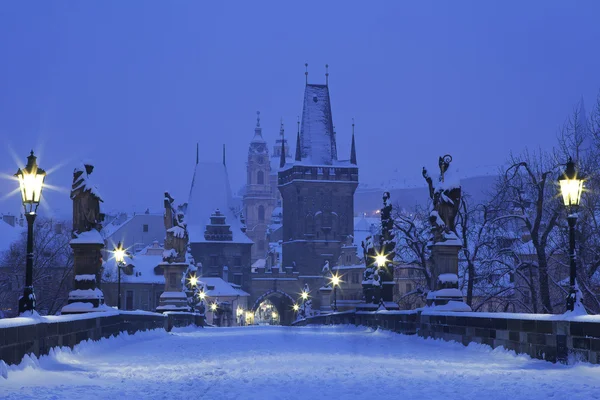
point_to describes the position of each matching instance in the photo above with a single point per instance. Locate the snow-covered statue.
(176, 242)
(445, 196)
(86, 201)
(371, 280)
(326, 270)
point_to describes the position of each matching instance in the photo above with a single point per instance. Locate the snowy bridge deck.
(292, 363)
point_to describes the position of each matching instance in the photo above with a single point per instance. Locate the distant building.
(259, 198)
(217, 239)
(134, 232)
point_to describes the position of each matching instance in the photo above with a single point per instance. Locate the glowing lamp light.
(296, 307)
(119, 253)
(571, 186)
(335, 280)
(381, 260)
(213, 307)
(239, 311)
(304, 295)
(274, 315)
(202, 295)
(31, 182)
(193, 280)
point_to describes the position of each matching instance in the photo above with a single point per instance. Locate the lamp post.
(571, 187)
(304, 296)
(31, 182)
(119, 254)
(335, 282)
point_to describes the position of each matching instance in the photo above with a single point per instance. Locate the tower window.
(261, 213)
(145, 228)
(260, 178)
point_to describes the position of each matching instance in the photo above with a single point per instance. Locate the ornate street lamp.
(119, 254)
(31, 182)
(335, 282)
(571, 187)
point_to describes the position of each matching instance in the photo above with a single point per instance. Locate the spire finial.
(306, 72)
(327, 74)
(281, 127)
(224, 155)
(197, 156)
(353, 147)
(258, 119)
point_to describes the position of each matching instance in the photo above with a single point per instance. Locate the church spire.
(298, 149)
(282, 155)
(326, 74)
(353, 147)
(224, 155)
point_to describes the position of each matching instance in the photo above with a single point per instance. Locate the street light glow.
(571, 186)
(202, 295)
(31, 182)
(381, 260)
(335, 280)
(119, 254)
(296, 307)
(193, 280)
(213, 307)
(304, 295)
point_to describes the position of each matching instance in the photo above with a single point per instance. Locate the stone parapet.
(36, 337)
(547, 337)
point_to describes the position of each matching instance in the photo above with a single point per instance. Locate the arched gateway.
(281, 300)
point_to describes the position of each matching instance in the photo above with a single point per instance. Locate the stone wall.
(18, 338)
(547, 337)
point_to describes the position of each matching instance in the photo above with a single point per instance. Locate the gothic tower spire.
(298, 149)
(353, 147)
(224, 155)
(282, 157)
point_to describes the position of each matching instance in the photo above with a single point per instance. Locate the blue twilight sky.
(133, 85)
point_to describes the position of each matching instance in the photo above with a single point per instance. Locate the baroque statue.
(445, 196)
(86, 201)
(176, 242)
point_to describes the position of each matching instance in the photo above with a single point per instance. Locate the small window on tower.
(261, 213)
(260, 178)
(145, 228)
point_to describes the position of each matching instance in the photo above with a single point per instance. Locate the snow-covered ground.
(292, 363)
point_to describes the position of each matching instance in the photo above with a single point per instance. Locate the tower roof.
(258, 131)
(317, 138)
(211, 191)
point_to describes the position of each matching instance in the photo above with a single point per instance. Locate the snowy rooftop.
(210, 191)
(217, 287)
(143, 264)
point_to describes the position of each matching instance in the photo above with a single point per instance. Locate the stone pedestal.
(326, 294)
(173, 298)
(87, 259)
(444, 259)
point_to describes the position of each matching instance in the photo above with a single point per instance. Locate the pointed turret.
(282, 157)
(224, 155)
(353, 147)
(258, 138)
(298, 150)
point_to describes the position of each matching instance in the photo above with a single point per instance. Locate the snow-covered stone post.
(87, 243)
(387, 247)
(174, 264)
(444, 243)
